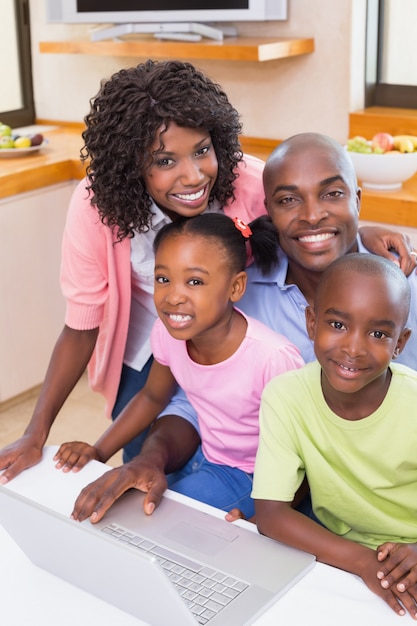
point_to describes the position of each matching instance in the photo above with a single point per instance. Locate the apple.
(382, 142)
(6, 142)
(5, 131)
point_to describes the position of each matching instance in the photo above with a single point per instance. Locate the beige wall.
(275, 98)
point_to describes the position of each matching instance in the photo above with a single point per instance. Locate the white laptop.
(180, 566)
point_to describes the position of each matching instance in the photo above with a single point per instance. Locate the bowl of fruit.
(13, 144)
(385, 161)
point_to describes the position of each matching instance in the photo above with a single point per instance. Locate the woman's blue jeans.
(131, 381)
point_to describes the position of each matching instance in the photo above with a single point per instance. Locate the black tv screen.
(159, 5)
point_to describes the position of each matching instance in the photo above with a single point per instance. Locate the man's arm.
(69, 359)
(170, 444)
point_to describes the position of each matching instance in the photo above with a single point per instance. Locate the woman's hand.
(18, 456)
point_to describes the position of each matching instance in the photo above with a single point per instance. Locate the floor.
(81, 418)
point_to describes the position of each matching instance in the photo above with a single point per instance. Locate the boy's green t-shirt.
(362, 474)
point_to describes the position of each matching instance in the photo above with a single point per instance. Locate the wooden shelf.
(230, 49)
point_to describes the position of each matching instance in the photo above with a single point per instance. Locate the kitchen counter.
(57, 162)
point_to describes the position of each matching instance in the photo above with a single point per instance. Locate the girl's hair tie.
(243, 227)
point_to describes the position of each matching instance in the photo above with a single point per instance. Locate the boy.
(346, 423)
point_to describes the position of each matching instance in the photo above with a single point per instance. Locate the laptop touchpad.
(207, 538)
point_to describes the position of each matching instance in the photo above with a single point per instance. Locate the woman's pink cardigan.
(96, 280)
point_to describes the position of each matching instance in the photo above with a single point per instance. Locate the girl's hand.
(390, 244)
(236, 514)
(74, 455)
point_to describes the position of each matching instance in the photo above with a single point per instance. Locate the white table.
(30, 596)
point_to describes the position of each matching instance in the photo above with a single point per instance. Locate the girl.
(221, 358)
(161, 141)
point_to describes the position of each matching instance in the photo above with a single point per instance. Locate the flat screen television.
(190, 19)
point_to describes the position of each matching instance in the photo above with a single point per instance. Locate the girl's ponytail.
(264, 243)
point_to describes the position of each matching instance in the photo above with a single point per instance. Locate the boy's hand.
(74, 455)
(97, 497)
(400, 602)
(398, 567)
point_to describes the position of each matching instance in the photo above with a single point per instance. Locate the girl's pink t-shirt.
(226, 396)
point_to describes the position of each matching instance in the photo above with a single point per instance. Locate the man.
(312, 197)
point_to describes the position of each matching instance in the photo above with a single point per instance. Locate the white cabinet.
(31, 304)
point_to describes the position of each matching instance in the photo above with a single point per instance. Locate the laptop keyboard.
(205, 591)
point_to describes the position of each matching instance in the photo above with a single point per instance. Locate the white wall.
(312, 92)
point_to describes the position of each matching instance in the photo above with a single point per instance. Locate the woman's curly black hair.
(121, 127)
